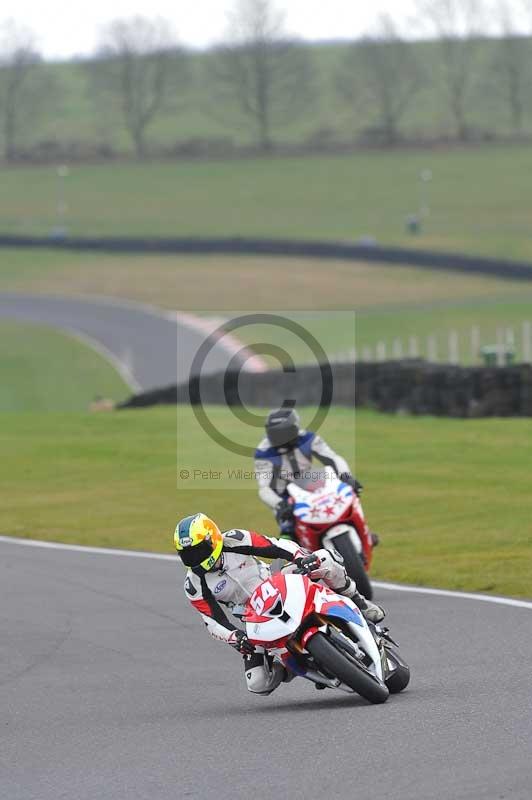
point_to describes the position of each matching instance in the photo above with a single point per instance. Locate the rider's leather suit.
(275, 467)
(237, 575)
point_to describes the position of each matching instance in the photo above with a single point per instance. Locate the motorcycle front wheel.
(353, 564)
(336, 663)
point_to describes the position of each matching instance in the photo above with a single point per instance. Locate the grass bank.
(478, 198)
(44, 370)
(228, 283)
(450, 498)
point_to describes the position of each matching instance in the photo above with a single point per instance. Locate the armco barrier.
(412, 386)
(282, 247)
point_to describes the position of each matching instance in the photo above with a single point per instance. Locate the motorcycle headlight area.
(277, 611)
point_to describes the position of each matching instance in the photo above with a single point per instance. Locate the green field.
(450, 498)
(44, 370)
(214, 284)
(450, 512)
(479, 198)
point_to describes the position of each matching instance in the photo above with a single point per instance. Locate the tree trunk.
(139, 140)
(10, 124)
(265, 142)
(516, 108)
(458, 111)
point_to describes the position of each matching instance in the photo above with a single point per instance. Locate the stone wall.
(413, 387)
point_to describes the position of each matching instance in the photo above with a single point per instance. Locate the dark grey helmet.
(282, 427)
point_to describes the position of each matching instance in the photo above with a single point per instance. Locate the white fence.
(509, 345)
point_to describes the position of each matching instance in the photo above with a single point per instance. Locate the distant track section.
(153, 347)
(427, 259)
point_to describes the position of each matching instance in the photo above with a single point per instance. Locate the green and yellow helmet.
(199, 541)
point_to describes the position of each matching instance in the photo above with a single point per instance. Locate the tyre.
(337, 663)
(353, 564)
(400, 677)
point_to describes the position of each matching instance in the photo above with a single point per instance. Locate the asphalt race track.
(110, 689)
(152, 345)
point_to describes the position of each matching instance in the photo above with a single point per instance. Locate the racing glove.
(346, 477)
(306, 565)
(240, 642)
(284, 512)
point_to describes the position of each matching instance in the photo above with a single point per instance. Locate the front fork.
(383, 640)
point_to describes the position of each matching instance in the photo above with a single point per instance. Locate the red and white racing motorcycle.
(323, 637)
(329, 514)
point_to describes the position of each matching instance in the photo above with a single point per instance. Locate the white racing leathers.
(275, 467)
(234, 579)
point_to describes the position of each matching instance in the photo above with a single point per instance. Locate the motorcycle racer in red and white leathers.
(224, 569)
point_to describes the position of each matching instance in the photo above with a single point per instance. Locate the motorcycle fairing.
(318, 507)
(266, 629)
(328, 511)
(302, 599)
(343, 611)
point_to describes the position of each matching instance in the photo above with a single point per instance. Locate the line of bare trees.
(26, 89)
(261, 78)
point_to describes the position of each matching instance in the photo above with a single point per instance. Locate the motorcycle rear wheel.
(353, 564)
(336, 663)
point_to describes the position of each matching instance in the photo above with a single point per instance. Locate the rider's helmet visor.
(196, 555)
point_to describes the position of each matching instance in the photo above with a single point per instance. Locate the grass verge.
(218, 283)
(450, 498)
(44, 370)
(478, 198)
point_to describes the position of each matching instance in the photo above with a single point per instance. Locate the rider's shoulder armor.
(304, 442)
(236, 537)
(265, 451)
(192, 585)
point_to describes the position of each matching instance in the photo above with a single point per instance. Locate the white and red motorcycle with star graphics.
(329, 514)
